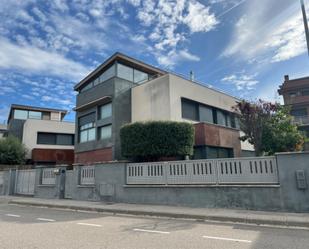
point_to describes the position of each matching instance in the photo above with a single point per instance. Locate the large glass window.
(125, 72)
(35, 115)
(299, 112)
(20, 114)
(221, 118)
(86, 128)
(139, 76)
(189, 109)
(55, 138)
(105, 111)
(206, 114)
(105, 132)
(109, 73)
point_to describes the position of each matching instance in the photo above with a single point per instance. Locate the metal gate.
(24, 182)
(68, 184)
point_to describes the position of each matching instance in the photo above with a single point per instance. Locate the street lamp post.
(305, 23)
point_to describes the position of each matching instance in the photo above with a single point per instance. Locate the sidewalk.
(222, 215)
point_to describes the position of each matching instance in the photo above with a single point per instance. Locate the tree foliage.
(148, 141)
(12, 151)
(268, 127)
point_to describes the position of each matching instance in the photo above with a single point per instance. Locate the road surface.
(34, 227)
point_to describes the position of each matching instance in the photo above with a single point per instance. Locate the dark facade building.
(295, 94)
(47, 138)
(124, 90)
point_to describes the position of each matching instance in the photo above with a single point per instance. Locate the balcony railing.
(301, 120)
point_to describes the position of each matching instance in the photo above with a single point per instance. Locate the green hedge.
(154, 139)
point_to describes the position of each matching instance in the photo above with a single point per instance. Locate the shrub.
(151, 140)
(12, 151)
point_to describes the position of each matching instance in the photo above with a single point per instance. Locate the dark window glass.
(86, 119)
(46, 138)
(305, 92)
(105, 132)
(218, 152)
(206, 114)
(65, 139)
(200, 152)
(221, 118)
(189, 109)
(299, 112)
(55, 138)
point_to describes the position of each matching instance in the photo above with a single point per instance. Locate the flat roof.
(119, 57)
(34, 108)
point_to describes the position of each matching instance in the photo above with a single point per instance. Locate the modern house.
(3, 130)
(124, 90)
(295, 94)
(48, 139)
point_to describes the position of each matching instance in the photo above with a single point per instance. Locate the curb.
(215, 218)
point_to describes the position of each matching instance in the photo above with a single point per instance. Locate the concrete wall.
(110, 185)
(33, 126)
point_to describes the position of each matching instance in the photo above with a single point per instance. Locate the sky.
(242, 47)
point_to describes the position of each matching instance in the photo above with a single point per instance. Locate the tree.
(12, 151)
(149, 141)
(268, 127)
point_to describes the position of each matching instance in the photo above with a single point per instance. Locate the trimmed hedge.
(151, 140)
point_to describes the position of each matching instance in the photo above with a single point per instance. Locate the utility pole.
(305, 22)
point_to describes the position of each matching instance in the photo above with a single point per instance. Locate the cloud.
(199, 18)
(269, 31)
(241, 81)
(35, 60)
(174, 57)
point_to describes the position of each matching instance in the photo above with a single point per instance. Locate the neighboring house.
(3, 130)
(124, 90)
(48, 139)
(296, 95)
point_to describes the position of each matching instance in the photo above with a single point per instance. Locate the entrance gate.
(24, 182)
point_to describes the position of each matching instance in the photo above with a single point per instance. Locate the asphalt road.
(32, 227)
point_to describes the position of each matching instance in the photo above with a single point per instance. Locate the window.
(234, 121)
(189, 110)
(109, 73)
(65, 139)
(35, 115)
(87, 87)
(125, 72)
(299, 112)
(305, 92)
(206, 114)
(105, 132)
(86, 128)
(55, 138)
(221, 118)
(20, 114)
(105, 111)
(218, 152)
(139, 76)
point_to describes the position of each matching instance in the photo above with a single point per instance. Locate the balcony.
(301, 120)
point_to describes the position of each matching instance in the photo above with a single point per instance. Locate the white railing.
(87, 175)
(48, 176)
(256, 170)
(1, 178)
